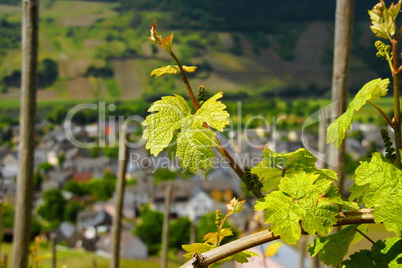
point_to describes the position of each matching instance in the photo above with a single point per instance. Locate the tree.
(45, 167)
(105, 72)
(41, 174)
(8, 211)
(71, 211)
(47, 73)
(37, 180)
(61, 158)
(53, 207)
(176, 239)
(75, 188)
(150, 230)
(112, 152)
(102, 189)
(164, 174)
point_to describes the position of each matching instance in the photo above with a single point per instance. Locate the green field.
(67, 258)
(79, 34)
(113, 92)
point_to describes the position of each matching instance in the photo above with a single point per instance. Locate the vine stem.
(207, 258)
(185, 80)
(236, 168)
(396, 122)
(365, 236)
(218, 237)
(381, 112)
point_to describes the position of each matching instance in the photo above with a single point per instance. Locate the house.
(4, 150)
(55, 143)
(130, 208)
(80, 177)
(135, 196)
(68, 233)
(9, 172)
(133, 200)
(10, 163)
(138, 195)
(194, 198)
(108, 207)
(9, 167)
(77, 153)
(200, 203)
(136, 249)
(131, 247)
(39, 157)
(10, 158)
(96, 166)
(8, 191)
(355, 148)
(58, 177)
(93, 219)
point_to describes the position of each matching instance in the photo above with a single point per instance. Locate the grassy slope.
(249, 71)
(76, 259)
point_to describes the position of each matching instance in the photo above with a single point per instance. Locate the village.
(194, 194)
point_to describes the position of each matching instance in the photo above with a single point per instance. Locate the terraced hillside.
(80, 35)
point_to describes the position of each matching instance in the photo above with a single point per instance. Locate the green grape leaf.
(334, 197)
(161, 125)
(166, 43)
(348, 206)
(273, 165)
(172, 69)
(333, 248)
(383, 19)
(382, 254)
(213, 113)
(242, 257)
(211, 237)
(372, 90)
(302, 197)
(378, 184)
(172, 115)
(194, 144)
(196, 248)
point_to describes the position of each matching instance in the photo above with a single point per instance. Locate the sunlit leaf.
(378, 184)
(273, 166)
(333, 248)
(172, 69)
(194, 140)
(235, 205)
(386, 253)
(373, 90)
(383, 19)
(300, 198)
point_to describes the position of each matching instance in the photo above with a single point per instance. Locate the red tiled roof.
(80, 177)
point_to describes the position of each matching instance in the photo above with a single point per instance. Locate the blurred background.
(270, 58)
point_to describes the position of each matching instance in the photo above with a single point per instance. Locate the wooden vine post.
(23, 214)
